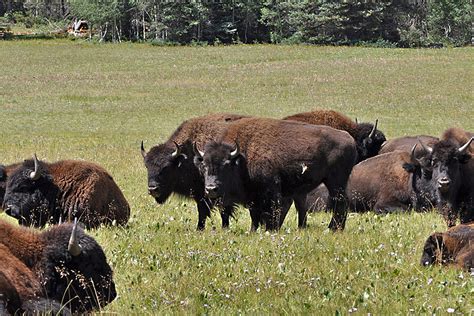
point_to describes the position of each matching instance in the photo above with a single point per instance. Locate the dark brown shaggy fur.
(455, 246)
(39, 265)
(275, 152)
(69, 189)
(4, 172)
(168, 174)
(460, 136)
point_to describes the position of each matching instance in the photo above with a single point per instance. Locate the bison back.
(406, 144)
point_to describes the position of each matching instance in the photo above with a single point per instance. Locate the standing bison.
(61, 264)
(263, 162)
(171, 169)
(455, 246)
(38, 193)
(465, 196)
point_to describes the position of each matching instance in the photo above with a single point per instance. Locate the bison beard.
(81, 280)
(278, 160)
(38, 193)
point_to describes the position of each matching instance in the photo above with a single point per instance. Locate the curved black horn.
(374, 129)
(357, 122)
(142, 149)
(413, 157)
(34, 175)
(464, 147)
(426, 148)
(234, 153)
(196, 150)
(177, 150)
(73, 247)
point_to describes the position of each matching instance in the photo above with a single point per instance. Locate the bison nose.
(211, 191)
(443, 181)
(153, 189)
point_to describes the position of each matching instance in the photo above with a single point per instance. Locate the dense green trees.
(403, 23)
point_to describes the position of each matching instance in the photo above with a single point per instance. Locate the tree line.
(409, 23)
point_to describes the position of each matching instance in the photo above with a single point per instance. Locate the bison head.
(74, 269)
(221, 166)
(165, 165)
(433, 250)
(369, 140)
(30, 194)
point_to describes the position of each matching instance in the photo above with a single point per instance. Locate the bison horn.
(73, 247)
(143, 150)
(235, 152)
(34, 175)
(60, 220)
(196, 150)
(463, 148)
(413, 157)
(374, 129)
(356, 121)
(177, 150)
(425, 148)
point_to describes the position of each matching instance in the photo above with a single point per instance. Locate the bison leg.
(337, 202)
(255, 216)
(285, 207)
(204, 210)
(301, 208)
(226, 213)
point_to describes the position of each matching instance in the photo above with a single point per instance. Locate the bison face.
(28, 198)
(369, 140)
(81, 281)
(165, 166)
(220, 164)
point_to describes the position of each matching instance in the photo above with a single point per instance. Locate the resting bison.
(171, 169)
(38, 193)
(368, 139)
(406, 143)
(465, 197)
(455, 246)
(389, 182)
(275, 160)
(62, 264)
(4, 172)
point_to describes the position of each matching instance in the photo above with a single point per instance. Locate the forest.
(385, 23)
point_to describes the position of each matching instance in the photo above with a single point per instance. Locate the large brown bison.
(465, 197)
(366, 135)
(61, 264)
(389, 182)
(455, 246)
(171, 169)
(275, 160)
(38, 193)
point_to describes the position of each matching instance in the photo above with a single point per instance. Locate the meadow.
(71, 100)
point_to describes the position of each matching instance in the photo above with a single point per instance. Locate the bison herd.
(320, 160)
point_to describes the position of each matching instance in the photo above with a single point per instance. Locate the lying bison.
(460, 136)
(38, 193)
(263, 162)
(171, 169)
(61, 264)
(455, 246)
(389, 182)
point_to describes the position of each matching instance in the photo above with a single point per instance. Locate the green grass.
(64, 99)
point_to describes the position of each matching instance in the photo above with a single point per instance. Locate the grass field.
(64, 99)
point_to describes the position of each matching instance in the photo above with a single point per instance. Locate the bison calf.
(264, 162)
(38, 193)
(61, 264)
(455, 246)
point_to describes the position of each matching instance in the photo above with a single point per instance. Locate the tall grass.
(64, 100)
